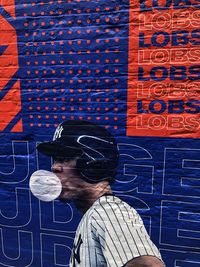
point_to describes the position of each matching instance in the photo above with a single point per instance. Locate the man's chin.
(66, 197)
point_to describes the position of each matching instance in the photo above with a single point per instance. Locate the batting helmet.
(93, 146)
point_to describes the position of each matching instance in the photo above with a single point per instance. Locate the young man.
(111, 233)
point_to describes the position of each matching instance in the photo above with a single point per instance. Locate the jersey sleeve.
(121, 234)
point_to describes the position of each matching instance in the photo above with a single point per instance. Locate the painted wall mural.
(131, 66)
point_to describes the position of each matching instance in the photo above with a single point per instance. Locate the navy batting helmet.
(93, 146)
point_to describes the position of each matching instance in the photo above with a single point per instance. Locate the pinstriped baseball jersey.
(111, 233)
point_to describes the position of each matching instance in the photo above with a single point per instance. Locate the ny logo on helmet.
(58, 132)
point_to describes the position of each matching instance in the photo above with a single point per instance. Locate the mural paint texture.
(131, 66)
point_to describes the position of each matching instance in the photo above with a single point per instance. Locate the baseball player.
(111, 233)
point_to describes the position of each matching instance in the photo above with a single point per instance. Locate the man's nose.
(56, 168)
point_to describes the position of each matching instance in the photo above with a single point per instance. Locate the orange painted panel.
(18, 127)
(9, 58)
(10, 106)
(9, 6)
(164, 69)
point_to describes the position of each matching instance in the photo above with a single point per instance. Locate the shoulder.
(111, 208)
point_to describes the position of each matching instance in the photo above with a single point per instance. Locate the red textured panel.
(18, 127)
(9, 6)
(164, 70)
(9, 58)
(10, 106)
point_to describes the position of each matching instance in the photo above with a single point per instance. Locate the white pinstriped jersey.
(111, 233)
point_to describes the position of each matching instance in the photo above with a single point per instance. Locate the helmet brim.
(58, 149)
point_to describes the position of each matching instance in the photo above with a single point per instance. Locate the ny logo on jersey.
(76, 252)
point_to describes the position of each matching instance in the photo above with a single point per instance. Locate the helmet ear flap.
(94, 171)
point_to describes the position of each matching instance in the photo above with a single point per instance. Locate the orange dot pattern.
(74, 58)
